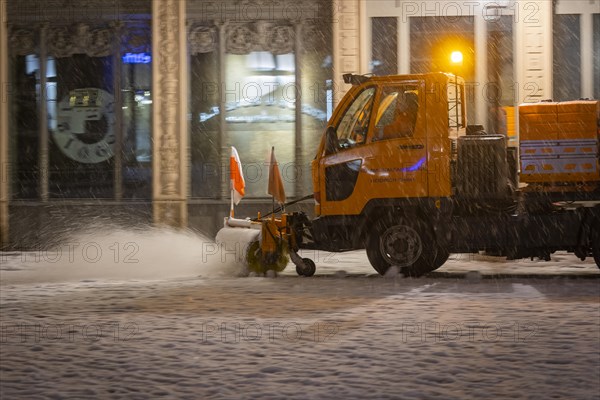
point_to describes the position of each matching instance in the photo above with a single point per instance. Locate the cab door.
(344, 153)
(398, 142)
(379, 152)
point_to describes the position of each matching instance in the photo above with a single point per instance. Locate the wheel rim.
(401, 245)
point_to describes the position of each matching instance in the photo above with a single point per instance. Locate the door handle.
(411, 147)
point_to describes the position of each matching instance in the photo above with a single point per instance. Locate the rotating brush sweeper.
(262, 244)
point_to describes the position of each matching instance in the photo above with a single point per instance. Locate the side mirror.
(331, 141)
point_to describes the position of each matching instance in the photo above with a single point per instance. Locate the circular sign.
(86, 125)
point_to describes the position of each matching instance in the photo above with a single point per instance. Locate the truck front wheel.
(408, 246)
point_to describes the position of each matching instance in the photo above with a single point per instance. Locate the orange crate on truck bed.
(559, 142)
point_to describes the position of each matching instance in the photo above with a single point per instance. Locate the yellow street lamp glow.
(456, 57)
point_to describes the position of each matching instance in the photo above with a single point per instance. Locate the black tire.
(440, 258)
(596, 245)
(309, 270)
(406, 244)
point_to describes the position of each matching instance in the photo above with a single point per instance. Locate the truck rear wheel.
(596, 245)
(441, 258)
(408, 246)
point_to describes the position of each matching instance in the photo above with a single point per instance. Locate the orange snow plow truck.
(400, 172)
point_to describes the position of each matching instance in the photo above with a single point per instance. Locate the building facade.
(123, 112)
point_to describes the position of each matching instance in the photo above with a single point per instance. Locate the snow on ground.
(178, 323)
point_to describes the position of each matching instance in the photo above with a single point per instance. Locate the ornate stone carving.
(202, 39)
(241, 39)
(22, 41)
(280, 39)
(168, 101)
(100, 42)
(80, 39)
(136, 38)
(274, 37)
(60, 42)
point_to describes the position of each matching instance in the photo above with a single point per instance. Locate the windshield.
(355, 123)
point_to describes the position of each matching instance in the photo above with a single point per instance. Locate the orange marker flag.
(237, 178)
(275, 182)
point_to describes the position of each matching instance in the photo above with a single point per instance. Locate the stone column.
(44, 136)
(533, 50)
(404, 44)
(223, 138)
(587, 55)
(481, 71)
(346, 53)
(169, 113)
(4, 162)
(118, 107)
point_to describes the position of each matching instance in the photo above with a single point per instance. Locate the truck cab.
(390, 138)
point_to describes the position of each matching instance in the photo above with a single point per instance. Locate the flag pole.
(231, 209)
(271, 168)
(236, 180)
(273, 200)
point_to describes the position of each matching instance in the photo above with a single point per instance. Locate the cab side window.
(397, 112)
(354, 125)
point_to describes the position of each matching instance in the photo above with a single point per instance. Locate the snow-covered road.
(343, 334)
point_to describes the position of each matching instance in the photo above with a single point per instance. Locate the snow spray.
(114, 253)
